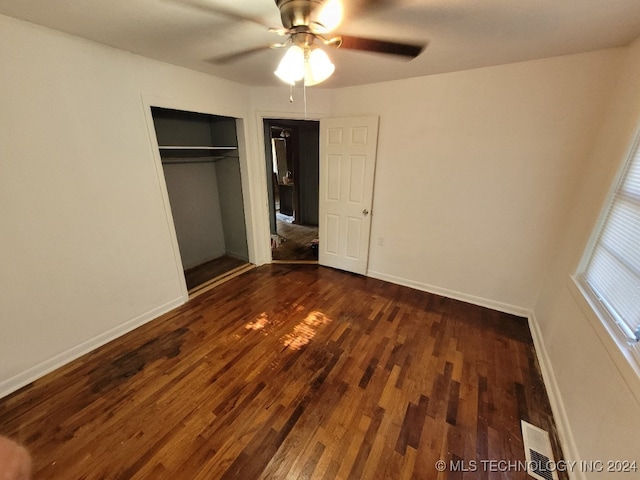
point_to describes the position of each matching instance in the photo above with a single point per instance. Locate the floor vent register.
(537, 450)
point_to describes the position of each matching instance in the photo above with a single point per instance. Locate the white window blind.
(613, 270)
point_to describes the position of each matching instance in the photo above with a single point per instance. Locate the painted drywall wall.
(86, 249)
(195, 207)
(475, 170)
(274, 102)
(598, 389)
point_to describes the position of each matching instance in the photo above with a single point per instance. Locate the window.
(611, 276)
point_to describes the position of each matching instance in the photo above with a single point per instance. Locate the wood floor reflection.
(291, 372)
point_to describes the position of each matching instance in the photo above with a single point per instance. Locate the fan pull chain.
(304, 93)
(304, 96)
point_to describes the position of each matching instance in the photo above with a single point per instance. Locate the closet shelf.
(184, 147)
(201, 159)
(195, 154)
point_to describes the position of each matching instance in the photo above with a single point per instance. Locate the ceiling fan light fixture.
(318, 67)
(309, 63)
(291, 68)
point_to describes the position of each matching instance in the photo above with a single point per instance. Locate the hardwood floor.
(296, 242)
(291, 372)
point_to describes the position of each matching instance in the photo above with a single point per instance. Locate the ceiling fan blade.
(355, 8)
(378, 3)
(236, 56)
(381, 46)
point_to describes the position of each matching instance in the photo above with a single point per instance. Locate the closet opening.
(199, 154)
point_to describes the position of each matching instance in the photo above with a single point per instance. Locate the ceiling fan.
(308, 25)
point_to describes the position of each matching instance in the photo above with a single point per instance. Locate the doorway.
(292, 156)
(200, 162)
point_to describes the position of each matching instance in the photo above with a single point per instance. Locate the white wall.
(85, 247)
(599, 391)
(475, 171)
(273, 102)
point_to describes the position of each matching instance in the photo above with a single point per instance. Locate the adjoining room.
(291, 152)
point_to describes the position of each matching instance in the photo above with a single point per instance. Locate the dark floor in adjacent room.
(296, 241)
(291, 372)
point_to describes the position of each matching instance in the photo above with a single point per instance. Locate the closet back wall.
(193, 193)
(231, 207)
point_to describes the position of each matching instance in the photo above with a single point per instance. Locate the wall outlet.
(381, 241)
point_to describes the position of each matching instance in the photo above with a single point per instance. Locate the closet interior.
(201, 167)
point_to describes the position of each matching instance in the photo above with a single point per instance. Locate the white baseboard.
(37, 371)
(569, 448)
(463, 297)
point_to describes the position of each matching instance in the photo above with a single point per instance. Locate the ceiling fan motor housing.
(297, 13)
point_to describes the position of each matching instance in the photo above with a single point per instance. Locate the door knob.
(365, 212)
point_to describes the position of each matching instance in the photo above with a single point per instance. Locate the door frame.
(246, 175)
(261, 116)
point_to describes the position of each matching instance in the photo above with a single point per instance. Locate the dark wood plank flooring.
(293, 372)
(209, 270)
(296, 242)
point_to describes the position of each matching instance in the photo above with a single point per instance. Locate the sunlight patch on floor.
(304, 331)
(301, 334)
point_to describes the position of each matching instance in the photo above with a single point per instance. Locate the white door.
(347, 164)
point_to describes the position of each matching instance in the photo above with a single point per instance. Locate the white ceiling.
(461, 34)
